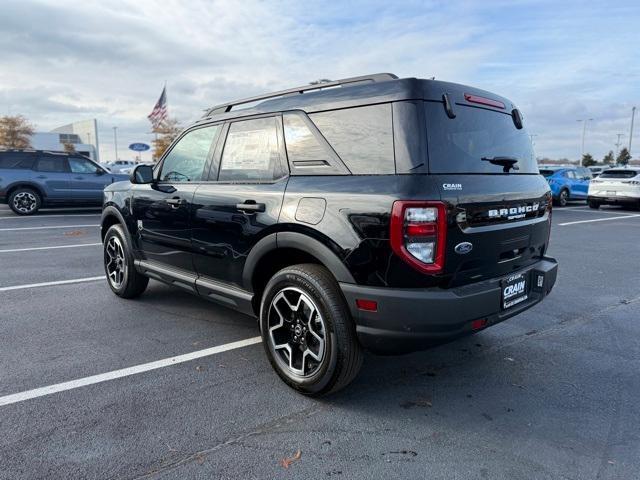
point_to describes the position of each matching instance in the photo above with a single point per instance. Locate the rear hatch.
(483, 162)
(623, 182)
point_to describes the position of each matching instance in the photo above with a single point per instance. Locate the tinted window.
(362, 137)
(618, 174)
(16, 160)
(547, 173)
(302, 145)
(82, 165)
(186, 160)
(457, 145)
(570, 174)
(52, 164)
(251, 151)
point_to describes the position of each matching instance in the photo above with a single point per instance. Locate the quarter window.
(361, 136)
(187, 159)
(251, 151)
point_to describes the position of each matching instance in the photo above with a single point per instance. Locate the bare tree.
(15, 132)
(166, 134)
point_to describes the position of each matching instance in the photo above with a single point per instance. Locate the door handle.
(250, 206)
(175, 202)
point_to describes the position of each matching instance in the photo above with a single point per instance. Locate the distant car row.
(613, 186)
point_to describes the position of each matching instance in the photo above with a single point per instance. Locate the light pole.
(115, 140)
(633, 114)
(617, 144)
(584, 131)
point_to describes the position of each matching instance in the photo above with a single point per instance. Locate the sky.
(559, 61)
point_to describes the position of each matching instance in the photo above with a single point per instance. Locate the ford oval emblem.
(463, 248)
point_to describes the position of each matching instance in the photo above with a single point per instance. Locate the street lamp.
(633, 114)
(115, 140)
(617, 144)
(584, 131)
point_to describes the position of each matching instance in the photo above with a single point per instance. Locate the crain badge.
(452, 186)
(463, 248)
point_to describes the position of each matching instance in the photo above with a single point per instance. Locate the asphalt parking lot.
(552, 393)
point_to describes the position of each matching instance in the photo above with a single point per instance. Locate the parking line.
(125, 372)
(12, 250)
(24, 217)
(598, 220)
(44, 228)
(48, 284)
(589, 210)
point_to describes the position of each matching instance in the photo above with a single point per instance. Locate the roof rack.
(376, 77)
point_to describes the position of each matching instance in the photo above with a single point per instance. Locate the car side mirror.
(100, 171)
(142, 174)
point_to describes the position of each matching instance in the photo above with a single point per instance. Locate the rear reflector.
(478, 324)
(483, 101)
(367, 305)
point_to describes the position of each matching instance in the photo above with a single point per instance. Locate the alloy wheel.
(116, 263)
(25, 202)
(297, 332)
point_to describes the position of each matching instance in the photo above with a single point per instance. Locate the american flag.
(159, 113)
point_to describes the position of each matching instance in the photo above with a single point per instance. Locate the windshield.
(619, 174)
(458, 145)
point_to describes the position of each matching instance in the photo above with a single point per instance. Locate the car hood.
(120, 183)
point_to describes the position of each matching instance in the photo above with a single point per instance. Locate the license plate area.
(515, 290)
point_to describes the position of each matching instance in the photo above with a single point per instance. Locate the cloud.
(66, 61)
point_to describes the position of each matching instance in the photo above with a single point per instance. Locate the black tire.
(593, 204)
(341, 356)
(563, 198)
(25, 201)
(127, 282)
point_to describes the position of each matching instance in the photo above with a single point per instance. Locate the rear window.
(619, 174)
(546, 172)
(52, 164)
(362, 137)
(458, 145)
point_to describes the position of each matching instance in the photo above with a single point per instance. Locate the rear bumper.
(617, 200)
(415, 319)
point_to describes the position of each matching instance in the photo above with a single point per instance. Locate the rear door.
(52, 173)
(241, 202)
(162, 209)
(498, 217)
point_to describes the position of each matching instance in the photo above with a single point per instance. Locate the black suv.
(372, 212)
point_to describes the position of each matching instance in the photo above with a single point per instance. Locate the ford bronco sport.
(368, 213)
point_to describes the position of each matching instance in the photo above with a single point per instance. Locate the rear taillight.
(418, 234)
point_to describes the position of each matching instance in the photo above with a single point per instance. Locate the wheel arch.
(111, 216)
(34, 186)
(282, 249)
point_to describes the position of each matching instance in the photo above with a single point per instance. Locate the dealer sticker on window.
(514, 290)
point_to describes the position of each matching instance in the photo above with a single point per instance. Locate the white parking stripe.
(590, 210)
(598, 220)
(12, 250)
(25, 217)
(44, 228)
(125, 372)
(48, 284)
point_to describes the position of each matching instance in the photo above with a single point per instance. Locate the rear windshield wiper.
(507, 163)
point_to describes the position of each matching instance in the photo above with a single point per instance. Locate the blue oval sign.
(139, 147)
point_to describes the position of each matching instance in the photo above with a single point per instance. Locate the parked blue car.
(567, 183)
(30, 179)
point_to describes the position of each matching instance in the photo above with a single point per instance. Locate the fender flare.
(28, 184)
(298, 241)
(111, 211)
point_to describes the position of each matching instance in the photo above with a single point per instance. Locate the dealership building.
(82, 135)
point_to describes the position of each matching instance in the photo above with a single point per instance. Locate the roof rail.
(376, 77)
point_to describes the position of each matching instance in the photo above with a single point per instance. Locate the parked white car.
(119, 165)
(618, 186)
